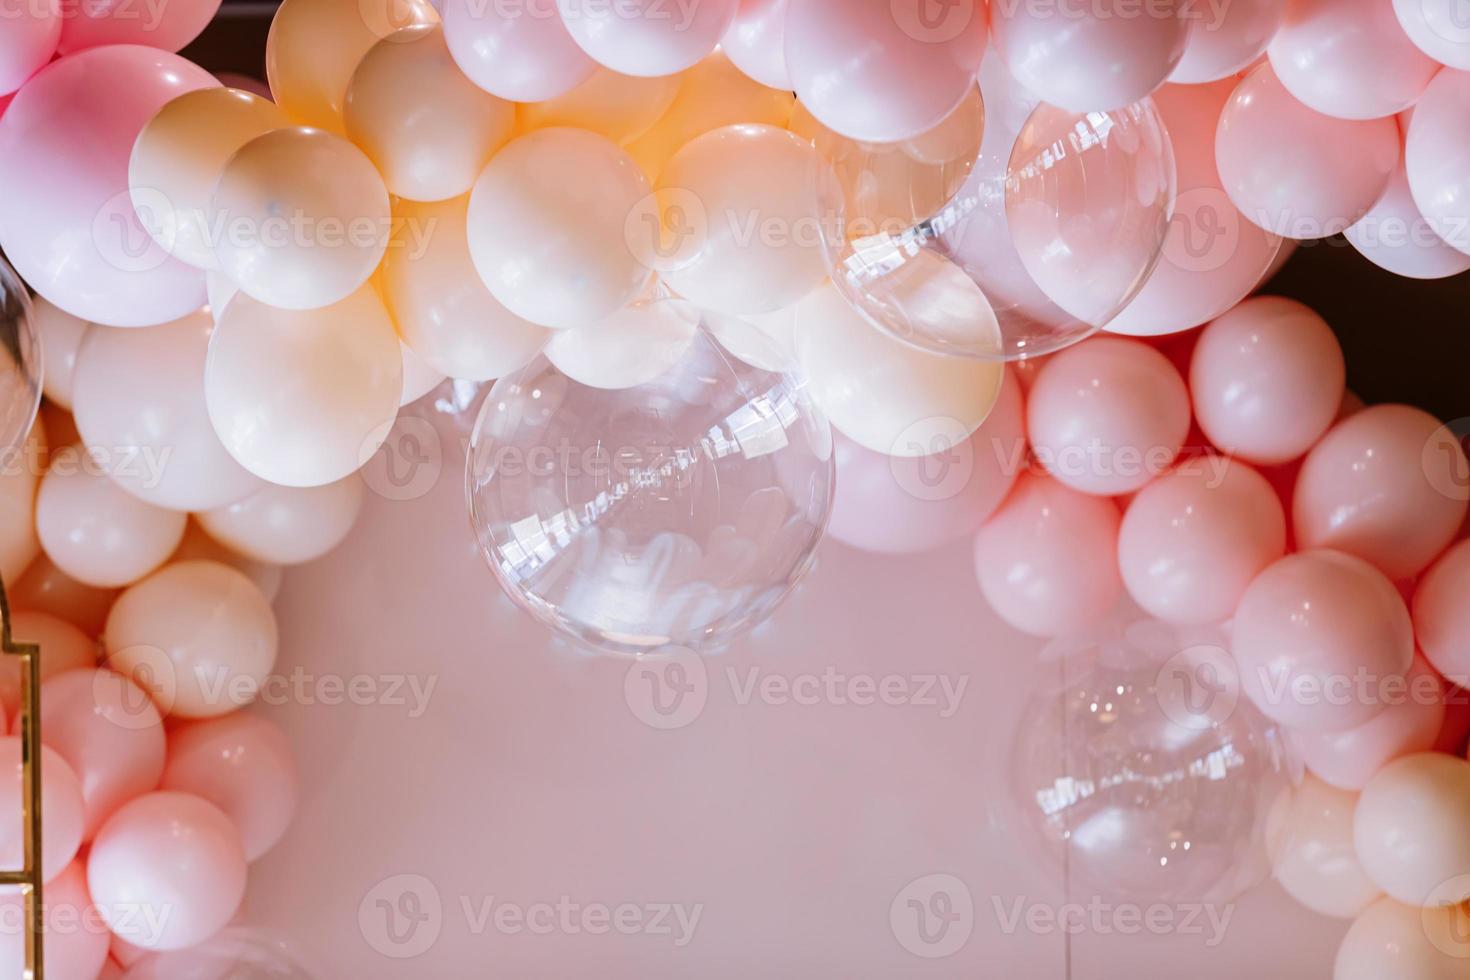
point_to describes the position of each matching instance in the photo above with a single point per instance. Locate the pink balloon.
(1442, 614)
(647, 38)
(76, 937)
(1409, 831)
(32, 30)
(523, 53)
(1437, 156)
(63, 647)
(1295, 171)
(756, 42)
(883, 71)
(1213, 257)
(1047, 560)
(72, 232)
(169, 26)
(1349, 58)
(1192, 541)
(1094, 57)
(1108, 415)
(1393, 235)
(1439, 28)
(892, 505)
(47, 589)
(109, 732)
(1267, 380)
(1385, 485)
(167, 853)
(243, 764)
(1226, 38)
(1316, 636)
(61, 805)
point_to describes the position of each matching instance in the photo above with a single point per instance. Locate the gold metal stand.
(29, 878)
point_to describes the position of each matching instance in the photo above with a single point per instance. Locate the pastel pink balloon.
(1393, 235)
(883, 72)
(1192, 541)
(1108, 415)
(1349, 58)
(1376, 487)
(1442, 614)
(1310, 837)
(110, 733)
(1315, 637)
(1047, 560)
(756, 42)
(1295, 171)
(1437, 156)
(1410, 829)
(1391, 939)
(523, 52)
(169, 26)
(63, 646)
(1226, 38)
(61, 805)
(73, 233)
(243, 764)
(1409, 723)
(905, 505)
(1212, 257)
(288, 525)
(31, 33)
(169, 852)
(1093, 57)
(1439, 28)
(47, 589)
(1267, 380)
(76, 937)
(647, 37)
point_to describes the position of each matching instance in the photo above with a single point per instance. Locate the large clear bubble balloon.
(1012, 229)
(681, 510)
(20, 360)
(236, 953)
(1146, 775)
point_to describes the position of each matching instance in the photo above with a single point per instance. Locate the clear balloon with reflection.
(678, 511)
(235, 953)
(20, 360)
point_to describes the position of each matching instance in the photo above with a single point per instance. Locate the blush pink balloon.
(1393, 235)
(756, 42)
(167, 852)
(1442, 614)
(883, 72)
(1192, 541)
(1293, 170)
(61, 803)
(1047, 560)
(77, 939)
(1267, 380)
(1309, 834)
(243, 764)
(47, 589)
(1316, 635)
(1409, 830)
(63, 646)
(1376, 487)
(523, 52)
(647, 38)
(32, 30)
(109, 732)
(168, 26)
(73, 233)
(1226, 38)
(1437, 156)
(905, 505)
(1108, 415)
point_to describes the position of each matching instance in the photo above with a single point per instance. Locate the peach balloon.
(441, 306)
(44, 588)
(167, 851)
(620, 107)
(1375, 487)
(109, 732)
(169, 26)
(304, 217)
(522, 53)
(1349, 58)
(61, 802)
(1410, 829)
(1294, 171)
(243, 764)
(1310, 839)
(1442, 614)
(287, 525)
(547, 227)
(883, 72)
(198, 636)
(1391, 939)
(76, 938)
(198, 545)
(1437, 155)
(1192, 541)
(63, 647)
(1393, 235)
(1267, 380)
(140, 394)
(418, 378)
(1439, 28)
(97, 532)
(647, 37)
(28, 42)
(178, 158)
(1226, 39)
(61, 335)
(314, 46)
(1317, 636)
(1047, 560)
(1108, 415)
(880, 392)
(630, 348)
(427, 149)
(756, 42)
(304, 398)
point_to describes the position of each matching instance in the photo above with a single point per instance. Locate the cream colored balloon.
(547, 222)
(303, 398)
(179, 157)
(882, 393)
(1312, 852)
(94, 530)
(302, 218)
(288, 525)
(1410, 828)
(632, 347)
(1393, 941)
(747, 197)
(429, 130)
(140, 396)
(199, 546)
(219, 290)
(620, 107)
(61, 335)
(314, 46)
(418, 378)
(442, 308)
(198, 636)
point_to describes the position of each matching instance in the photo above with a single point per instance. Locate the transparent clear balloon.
(1011, 230)
(1142, 772)
(236, 953)
(20, 360)
(682, 510)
